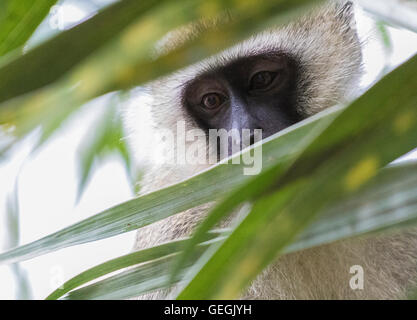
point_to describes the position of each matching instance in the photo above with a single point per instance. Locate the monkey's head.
(270, 81)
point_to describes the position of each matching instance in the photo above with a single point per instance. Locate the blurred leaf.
(122, 20)
(23, 289)
(103, 138)
(402, 13)
(126, 61)
(51, 60)
(389, 201)
(337, 163)
(413, 295)
(12, 217)
(385, 36)
(55, 57)
(18, 20)
(6, 141)
(12, 221)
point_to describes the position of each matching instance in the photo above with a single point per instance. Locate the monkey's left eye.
(212, 101)
(262, 80)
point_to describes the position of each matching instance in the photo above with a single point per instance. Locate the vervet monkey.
(269, 82)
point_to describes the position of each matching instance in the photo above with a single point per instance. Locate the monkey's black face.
(256, 92)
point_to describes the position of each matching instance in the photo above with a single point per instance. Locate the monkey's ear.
(345, 12)
(345, 9)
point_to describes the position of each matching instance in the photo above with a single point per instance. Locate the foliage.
(344, 152)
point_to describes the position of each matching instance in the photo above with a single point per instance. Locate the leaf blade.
(338, 162)
(152, 207)
(19, 20)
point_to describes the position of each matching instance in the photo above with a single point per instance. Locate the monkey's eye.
(212, 101)
(262, 80)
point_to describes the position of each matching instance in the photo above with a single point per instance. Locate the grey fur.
(327, 48)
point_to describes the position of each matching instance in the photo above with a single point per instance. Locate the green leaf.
(155, 206)
(18, 20)
(123, 21)
(389, 201)
(140, 257)
(250, 190)
(385, 37)
(158, 205)
(373, 131)
(105, 137)
(13, 234)
(136, 281)
(401, 13)
(125, 61)
(49, 63)
(53, 58)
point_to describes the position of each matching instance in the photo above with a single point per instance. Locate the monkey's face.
(269, 81)
(255, 92)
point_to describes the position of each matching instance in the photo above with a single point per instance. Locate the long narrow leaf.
(158, 205)
(52, 59)
(105, 137)
(147, 277)
(129, 59)
(402, 13)
(117, 264)
(125, 261)
(246, 192)
(136, 281)
(390, 201)
(18, 20)
(337, 163)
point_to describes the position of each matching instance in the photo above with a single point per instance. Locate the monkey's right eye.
(212, 101)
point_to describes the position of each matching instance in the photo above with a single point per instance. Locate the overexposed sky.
(47, 183)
